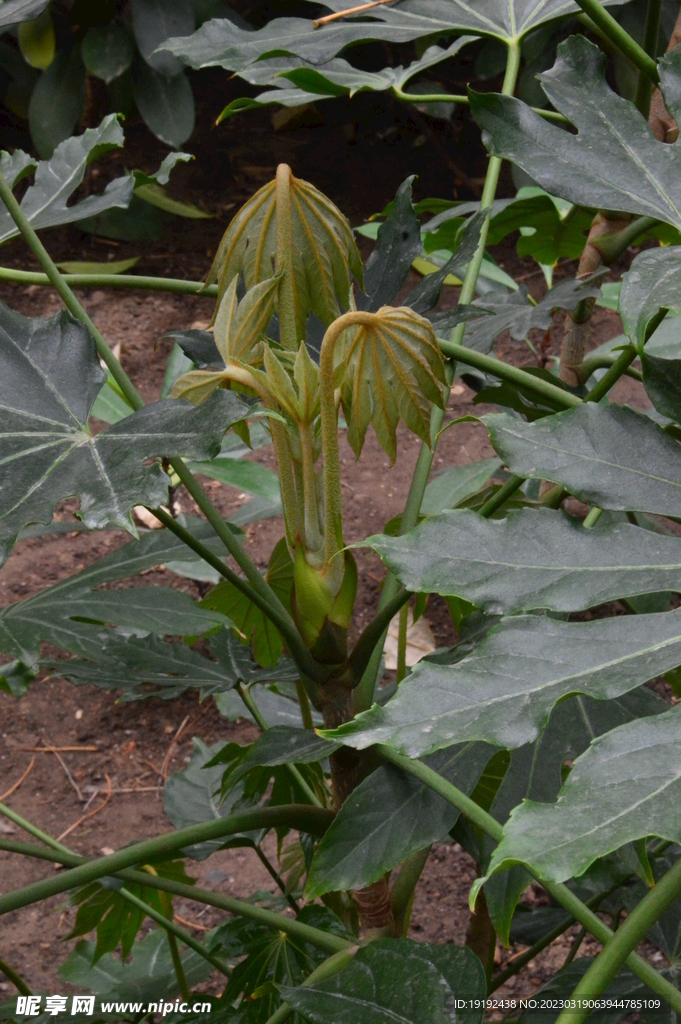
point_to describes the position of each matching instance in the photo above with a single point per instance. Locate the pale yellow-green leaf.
(80, 267)
(37, 41)
(323, 250)
(306, 377)
(394, 372)
(240, 326)
(197, 385)
(155, 194)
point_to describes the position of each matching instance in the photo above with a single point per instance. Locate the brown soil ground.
(132, 740)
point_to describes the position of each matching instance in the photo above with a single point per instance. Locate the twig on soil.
(191, 924)
(16, 785)
(351, 10)
(68, 774)
(171, 748)
(89, 814)
(62, 750)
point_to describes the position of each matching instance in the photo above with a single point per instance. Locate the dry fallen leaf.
(420, 641)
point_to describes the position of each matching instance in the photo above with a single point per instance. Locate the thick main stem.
(622, 943)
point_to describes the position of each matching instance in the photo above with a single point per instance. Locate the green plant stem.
(408, 97)
(59, 849)
(16, 979)
(621, 39)
(604, 362)
(502, 495)
(66, 295)
(286, 305)
(177, 965)
(307, 933)
(622, 943)
(403, 888)
(519, 962)
(297, 648)
(402, 644)
(369, 646)
(644, 89)
(592, 517)
(297, 816)
(612, 245)
(574, 948)
(304, 701)
(489, 364)
(611, 376)
(245, 694)
(560, 893)
(122, 281)
(334, 965)
(364, 692)
(276, 877)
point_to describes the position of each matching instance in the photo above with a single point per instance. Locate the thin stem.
(621, 944)
(369, 641)
(15, 978)
(304, 701)
(592, 517)
(300, 654)
(333, 534)
(313, 536)
(502, 495)
(560, 893)
(409, 97)
(319, 938)
(303, 817)
(622, 40)
(489, 364)
(333, 965)
(402, 644)
(276, 877)
(404, 886)
(611, 376)
(66, 295)
(245, 694)
(364, 692)
(614, 243)
(286, 306)
(574, 948)
(586, 369)
(123, 281)
(177, 964)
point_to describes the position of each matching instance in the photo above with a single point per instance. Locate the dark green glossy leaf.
(518, 316)
(551, 996)
(535, 558)
(614, 162)
(388, 817)
(609, 456)
(397, 245)
(154, 21)
(246, 476)
(57, 101)
(192, 796)
(229, 46)
(535, 773)
(45, 202)
(395, 980)
(653, 281)
(283, 744)
(149, 976)
(503, 692)
(107, 50)
(166, 104)
(49, 379)
(625, 787)
(153, 609)
(199, 346)
(276, 707)
(452, 486)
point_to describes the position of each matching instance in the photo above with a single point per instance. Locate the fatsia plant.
(534, 742)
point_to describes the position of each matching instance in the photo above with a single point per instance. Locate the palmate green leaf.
(503, 691)
(324, 253)
(534, 773)
(148, 977)
(44, 616)
(271, 958)
(393, 371)
(534, 558)
(396, 980)
(614, 162)
(609, 456)
(56, 179)
(161, 610)
(192, 796)
(518, 316)
(388, 817)
(222, 43)
(49, 379)
(624, 787)
(282, 744)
